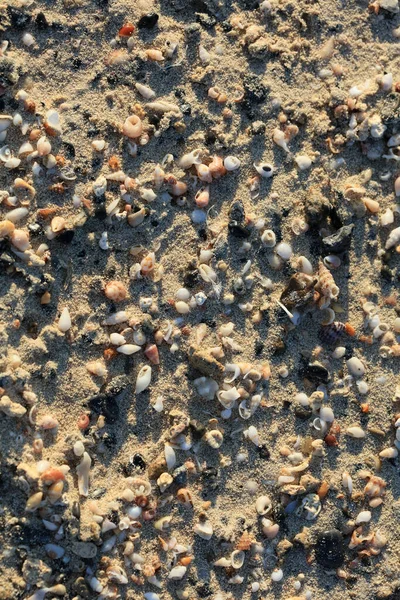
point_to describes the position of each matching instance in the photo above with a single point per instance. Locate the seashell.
(64, 323)
(145, 91)
(222, 562)
(17, 214)
(326, 414)
(25, 149)
(117, 176)
(158, 177)
(304, 265)
(332, 262)
(303, 161)
(116, 318)
(326, 283)
(268, 238)
(98, 145)
(263, 505)
(216, 167)
(328, 317)
(147, 264)
(299, 226)
(204, 530)
(12, 163)
(237, 559)
(311, 506)
(143, 379)
(99, 186)
(126, 30)
(52, 122)
(5, 154)
(214, 438)
(154, 54)
(7, 228)
(151, 352)
(231, 163)
(355, 367)
(363, 517)
(136, 218)
(161, 107)
(389, 453)
(55, 491)
(5, 122)
(48, 422)
(236, 372)
(228, 397)
(277, 575)
(190, 159)
(265, 169)
(394, 237)
(128, 349)
(356, 432)
(347, 482)
(207, 273)
(115, 291)
(178, 188)
(82, 471)
(97, 368)
(332, 332)
(280, 139)
(43, 146)
(34, 502)
(252, 434)
(57, 224)
(387, 82)
(133, 127)
(284, 250)
(204, 55)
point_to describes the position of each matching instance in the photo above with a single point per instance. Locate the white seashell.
(389, 453)
(99, 186)
(43, 146)
(231, 163)
(252, 434)
(228, 397)
(303, 161)
(26, 148)
(148, 195)
(339, 352)
(268, 238)
(237, 559)
(170, 456)
(263, 505)
(332, 262)
(279, 138)
(5, 122)
(304, 265)
(82, 471)
(222, 562)
(207, 273)
(204, 530)
(53, 120)
(394, 236)
(158, 405)
(302, 399)
(64, 323)
(151, 596)
(277, 575)
(190, 159)
(12, 163)
(363, 517)
(115, 318)
(356, 432)
(354, 92)
(284, 250)
(387, 82)
(326, 414)
(103, 241)
(204, 55)
(347, 482)
(143, 379)
(98, 145)
(145, 91)
(5, 153)
(265, 169)
(117, 339)
(182, 307)
(355, 367)
(387, 218)
(232, 367)
(129, 349)
(17, 214)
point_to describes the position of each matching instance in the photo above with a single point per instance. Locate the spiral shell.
(326, 283)
(133, 127)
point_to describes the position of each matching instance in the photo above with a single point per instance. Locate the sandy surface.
(278, 63)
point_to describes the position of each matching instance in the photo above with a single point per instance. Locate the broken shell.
(214, 438)
(389, 453)
(5, 122)
(133, 127)
(263, 505)
(143, 379)
(265, 169)
(115, 291)
(204, 530)
(20, 240)
(43, 146)
(237, 559)
(231, 163)
(190, 159)
(268, 238)
(279, 138)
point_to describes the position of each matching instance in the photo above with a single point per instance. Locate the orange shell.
(126, 30)
(52, 474)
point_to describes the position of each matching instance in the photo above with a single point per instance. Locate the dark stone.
(204, 590)
(255, 90)
(148, 21)
(299, 292)
(76, 63)
(191, 276)
(138, 462)
(28, 534)
(76, 510)
(105, 404)
(66, 236)
(18, 19)
(339, 241)
(236, 224)
(186, 109)
(41, 21)
(264, 452)
(205, 20)
(238, 230)
(329, 549)
(316, 373)
(69, 149)
(236, 212)
(303, 412)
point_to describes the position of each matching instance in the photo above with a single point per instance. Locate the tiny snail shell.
(204, 530)
(133, 127)
(299, 226)
(268, 238)
(304, 265)
(231, 163)
(363, 517)
(263, 505)
(214, 438)
(270, 530)
(356, 432)
(128, 349)
(43, 146)
(265, 169)
(284, 250)
(143, 379)
(237, 559)
(202, 198)
(332, 262)
(178, 188)
(279, 138)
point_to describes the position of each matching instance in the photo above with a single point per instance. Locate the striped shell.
(326, 282)
(330, 334)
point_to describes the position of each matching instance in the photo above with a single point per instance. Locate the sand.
(68, 68)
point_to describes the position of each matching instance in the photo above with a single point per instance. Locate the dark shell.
(316, 373)
(299, 291)
(329, 549)
(330, 334)
(339, 241)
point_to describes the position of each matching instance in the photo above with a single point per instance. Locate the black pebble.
(264, 452)
(19, 19)
(316, 373)
(148, 21)
(138, 461)
(329, 549)
(41, 21)
(339, 241)
(66, 236)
